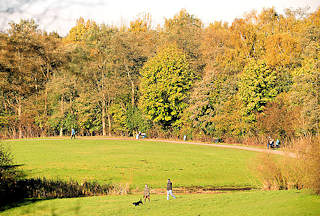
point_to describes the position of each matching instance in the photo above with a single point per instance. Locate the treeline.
(256, 77)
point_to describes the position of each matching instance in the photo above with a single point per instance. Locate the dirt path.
(290, 154)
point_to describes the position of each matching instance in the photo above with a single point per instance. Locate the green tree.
(165, 86)
(135, 120)
(257, 87)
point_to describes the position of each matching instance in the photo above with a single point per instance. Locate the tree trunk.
(108, 102)
(19, 117)
(133, 92)
(132, 87)
(46, 128)
(104, 132)
(14, 132)
(61, 131)
(44, 132)
(62, 114)
(19, 104)
(109, 124)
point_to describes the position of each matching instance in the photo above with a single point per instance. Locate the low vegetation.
(43, 188)
(288, 172)
(9, 175)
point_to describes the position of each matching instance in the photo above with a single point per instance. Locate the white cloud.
(56, 15)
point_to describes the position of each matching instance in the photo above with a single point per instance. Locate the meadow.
(141, 162)
(134, 162)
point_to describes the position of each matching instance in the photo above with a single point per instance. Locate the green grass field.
(142, 162)
(271, 203)
(134, 162)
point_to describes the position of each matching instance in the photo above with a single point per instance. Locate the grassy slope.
(134, 162)
(241, 203)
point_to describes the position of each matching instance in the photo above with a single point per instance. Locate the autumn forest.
(256, 77)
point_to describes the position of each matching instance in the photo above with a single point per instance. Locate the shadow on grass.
(15, 193)
(20, 203)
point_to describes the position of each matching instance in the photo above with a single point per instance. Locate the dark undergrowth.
(14, 192)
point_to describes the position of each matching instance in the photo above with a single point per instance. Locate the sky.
(61, 15)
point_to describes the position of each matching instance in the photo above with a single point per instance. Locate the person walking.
(146, 193)
(73, 133)
(169, 189)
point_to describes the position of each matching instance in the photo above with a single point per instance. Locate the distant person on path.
(169, 189)
(278, 143)
(73, 133)
(270, 142)
(146, 193)
(138, 135)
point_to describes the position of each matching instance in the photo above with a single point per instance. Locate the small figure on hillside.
(278, 143)
(73, 133)
(169, 189)
(138, 135)
(143, 135)
(270, 142)
(146, 194)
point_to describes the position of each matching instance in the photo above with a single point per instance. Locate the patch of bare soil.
(195, 190)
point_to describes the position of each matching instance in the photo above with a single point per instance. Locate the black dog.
(137, 203)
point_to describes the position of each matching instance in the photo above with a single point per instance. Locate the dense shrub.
(298, 169)
(15, 187)
(8, 174)
(308, 152)
(42, 188)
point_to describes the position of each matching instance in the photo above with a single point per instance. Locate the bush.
(298, 170)
(42, 188)
(8, 171)
(9, 175)
(308, 152)
(5, 162)
(278, 172)
(14, 187)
